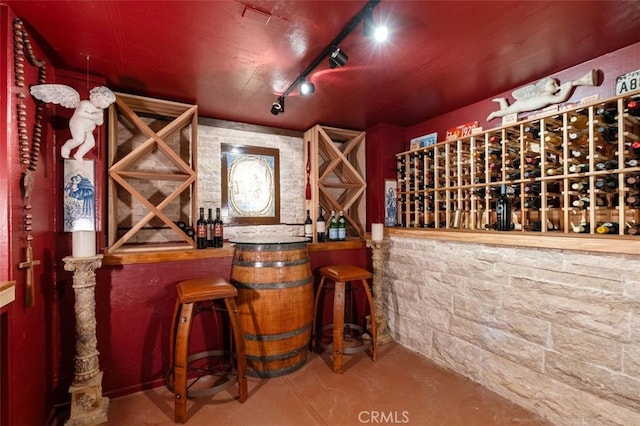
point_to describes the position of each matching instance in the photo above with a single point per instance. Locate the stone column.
(88, 406)
(377, 251)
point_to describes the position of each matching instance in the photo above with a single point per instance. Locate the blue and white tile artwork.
(79, 195)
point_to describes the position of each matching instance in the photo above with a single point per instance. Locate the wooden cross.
(29, 264)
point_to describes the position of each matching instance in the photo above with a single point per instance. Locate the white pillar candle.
(377, 231)
(83, 243)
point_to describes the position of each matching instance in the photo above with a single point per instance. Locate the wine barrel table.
(275, 302)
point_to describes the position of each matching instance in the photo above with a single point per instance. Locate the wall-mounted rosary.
(29, 152)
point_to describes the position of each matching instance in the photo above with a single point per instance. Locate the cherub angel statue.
(88, 113)
(541, 94)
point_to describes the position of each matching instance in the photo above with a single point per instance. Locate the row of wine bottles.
(336, 231)
(209, 232)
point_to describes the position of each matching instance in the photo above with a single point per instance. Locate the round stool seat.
(345, 273)
(203, 289)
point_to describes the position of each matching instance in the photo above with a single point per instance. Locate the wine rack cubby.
(570, 172)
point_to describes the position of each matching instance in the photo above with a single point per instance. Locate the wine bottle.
(342, 229)
(320, 226)
(578, 168)
(634, 229)
(579, 121)
(633, 181)
(201, 231)
(333, 227)
(633, 107)
(503, 211)
(218, 230)
(582, 228)
(607, 115)
(308, 227)
(608, 228)
(210, 230)
(580, 186)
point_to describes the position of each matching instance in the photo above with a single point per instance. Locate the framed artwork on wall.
(250, 185)
(390, 203)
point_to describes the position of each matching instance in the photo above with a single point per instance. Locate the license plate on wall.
(629, 82)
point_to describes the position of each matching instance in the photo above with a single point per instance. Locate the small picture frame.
(250, 185)
(390, 203)
(79, 203)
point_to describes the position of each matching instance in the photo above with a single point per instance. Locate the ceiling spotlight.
(372, 30)
(278, 107)
(338, 58)
(307, 87)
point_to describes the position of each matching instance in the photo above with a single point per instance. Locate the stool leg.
(172, 342)
(180, 368)
(238, 338)
(314, 331)
(338, 327)
(374, 328)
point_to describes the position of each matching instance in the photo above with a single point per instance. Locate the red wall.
(383, 142)
(28, 337)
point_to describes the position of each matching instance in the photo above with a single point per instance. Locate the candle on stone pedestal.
(83, 243)
(377, 231)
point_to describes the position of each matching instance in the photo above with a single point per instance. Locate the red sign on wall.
(461, 131)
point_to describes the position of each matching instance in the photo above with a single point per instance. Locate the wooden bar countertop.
(147, 254)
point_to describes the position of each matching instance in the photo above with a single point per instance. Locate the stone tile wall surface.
(292, 177)
(556, 331)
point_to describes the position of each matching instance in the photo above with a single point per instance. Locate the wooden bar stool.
(191, 295)
(340, 275)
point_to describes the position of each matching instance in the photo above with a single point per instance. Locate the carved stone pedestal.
(88, 406)
(377, 251)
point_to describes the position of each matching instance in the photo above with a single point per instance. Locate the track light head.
(378, 32)
(307, 88)
(337, 58)
(278, 107)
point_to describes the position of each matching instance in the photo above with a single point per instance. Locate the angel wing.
(60, 94)
(527, 92)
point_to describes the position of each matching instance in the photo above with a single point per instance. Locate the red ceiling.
(441, 54)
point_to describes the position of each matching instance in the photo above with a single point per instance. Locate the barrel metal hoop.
(279, 336)
(272, 286)
(271, 247)
(277, 372)
(275, 264)
(278, 357)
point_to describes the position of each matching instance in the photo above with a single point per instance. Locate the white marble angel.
(543, 93)
(88, 113)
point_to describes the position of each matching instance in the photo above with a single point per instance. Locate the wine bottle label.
(320, 226)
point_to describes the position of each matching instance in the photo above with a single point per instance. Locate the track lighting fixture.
(338, 58)
(278, 107)
(307, 88)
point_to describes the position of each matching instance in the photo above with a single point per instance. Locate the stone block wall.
(292, 177)
(555, 331)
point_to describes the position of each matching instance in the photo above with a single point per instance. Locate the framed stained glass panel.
(250, 185)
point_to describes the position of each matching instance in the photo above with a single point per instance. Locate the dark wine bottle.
(218, 230)
(308, 227)
(320, 227)
(201, 231)
(608, 228)
(503, 211)
(209, 230)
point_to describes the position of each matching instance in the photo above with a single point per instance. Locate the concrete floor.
(400, 388)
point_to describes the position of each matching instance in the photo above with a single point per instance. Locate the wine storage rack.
(575, 171)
